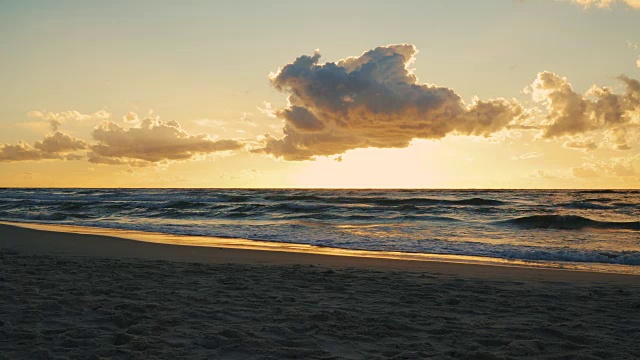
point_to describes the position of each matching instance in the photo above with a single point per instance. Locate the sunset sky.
(364, 94)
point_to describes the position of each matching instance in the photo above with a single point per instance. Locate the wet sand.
(69, 295)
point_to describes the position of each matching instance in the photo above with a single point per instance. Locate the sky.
(322, 94)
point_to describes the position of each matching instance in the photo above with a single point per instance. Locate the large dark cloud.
(600, 108)
(54, 146)
(150, 142)
(373, 100)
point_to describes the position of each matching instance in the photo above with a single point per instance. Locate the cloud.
(531, 155)
(23, 152)
(152, 141)
(99, 159)
(566, 107)
(149, 142)
(600, 108)
(597, 3)
(373, 100)
(60, 142)
(618, 166)
(54, 146)
(634, 46)
(56, 119)
(268, 110)
(245, 119)
(619, 138)
(585, 171)
(543, 174)
(211, 123)
(580, 144)
(130, 118)
(605, 4)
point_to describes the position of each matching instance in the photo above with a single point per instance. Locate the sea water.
(596, 227)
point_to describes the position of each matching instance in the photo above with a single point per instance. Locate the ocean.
(584, 229)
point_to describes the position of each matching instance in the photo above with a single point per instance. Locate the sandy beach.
(246, 179)
(83, 296)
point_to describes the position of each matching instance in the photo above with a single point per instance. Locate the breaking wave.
(568, 222)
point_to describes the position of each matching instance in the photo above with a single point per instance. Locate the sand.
(65, 295)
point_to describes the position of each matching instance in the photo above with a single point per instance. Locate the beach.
(74, 295)
(320, 180)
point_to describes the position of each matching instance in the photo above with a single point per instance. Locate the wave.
(56, 216)
(297, 207)
(599, 199)
(444, 219)
(76, 205)
(586, 205)
(182, 204)
(237, 214)
(625, 205)
(385, 201)
(294, 197)
(53, 216)
(333, 217)
(602, 191)
(568, 222)
(478, 202)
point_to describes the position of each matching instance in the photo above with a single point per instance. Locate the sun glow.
(376, 168)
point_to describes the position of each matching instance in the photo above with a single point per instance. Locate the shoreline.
(65, 240)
